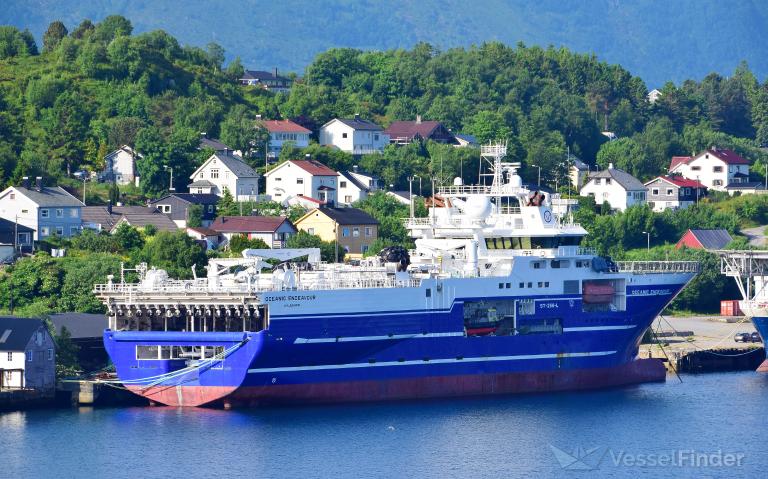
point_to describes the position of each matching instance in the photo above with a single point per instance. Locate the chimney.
(275, 72)
(418, 119)
(25, 182)
(610, 166)
(357, 116)
(39, 183)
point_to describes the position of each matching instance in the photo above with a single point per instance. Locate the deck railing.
(657, 267)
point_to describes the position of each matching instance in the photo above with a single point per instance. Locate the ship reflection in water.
(509, 436)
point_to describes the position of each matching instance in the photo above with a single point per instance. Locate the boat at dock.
(497, 297)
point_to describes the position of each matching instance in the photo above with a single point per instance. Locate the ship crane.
(750, 270)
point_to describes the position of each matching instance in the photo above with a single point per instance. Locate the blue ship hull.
(399, 354)
(761, 324)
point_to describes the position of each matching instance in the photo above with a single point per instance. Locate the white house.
(716, 168)
(356, 136)
(302, 179)
(355, 186)
(120, 166)
(27, 355)
(653, 96)
(282, 132)
(226, 171)
(620, 189)
(273, 230)
(48, 210)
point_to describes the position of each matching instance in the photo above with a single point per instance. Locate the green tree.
(127, 237)
(174, 252)
(226, 206)
(328, 249)
(195, 216)
(240, 242)
(53, 35)
(67, 363)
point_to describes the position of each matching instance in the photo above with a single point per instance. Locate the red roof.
(247, 224)
(283, 126)
(678, 160)
(682, 182)
(728, 156)
(314, 168)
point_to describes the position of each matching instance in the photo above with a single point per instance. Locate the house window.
(29, 355)
(376, 137)
(607, 181)
(165, 208)
(355, 232)
(73, 213)
(10, 356)
(23, 238)
(50, 354)
(73, 230)
(655, 191)
(45, 231)
(299, 181)
(717, 169)
(44, 213)
(717, 183)
(348, 199)
(364, 249)
(597, 181)
(60, 230)
(342, 184)
(670, 192)
(59, 212)
(311, 231)
(696, 168)
(214, 174)
(368, 231)
(201, 175)
(210, 208)
(13, 197)
(343, 135)
(345, 232)
(278, 179)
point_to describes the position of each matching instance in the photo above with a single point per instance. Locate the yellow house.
(353, 228)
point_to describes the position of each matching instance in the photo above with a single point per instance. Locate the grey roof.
(360, 124)
(471, 139)
(49, 196)
(192, 198)
(100, 214)
(349, 216)
(623, 178)
(578, 164)
(752, 185)
(81, 325)
(348, 176)
(15, 332)
(214, 144)
(201, 184)
(712, 239)
(403, 194)
(156, 219)
(238, 167)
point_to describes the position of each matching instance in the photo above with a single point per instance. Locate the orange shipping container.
(730, 307)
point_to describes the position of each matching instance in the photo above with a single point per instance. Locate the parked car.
(743, 337)
(756, 337)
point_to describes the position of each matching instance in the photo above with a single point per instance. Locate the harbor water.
(711, 425)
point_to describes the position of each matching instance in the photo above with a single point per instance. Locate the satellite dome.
(458, 181)
(477, 207)
(515, 181)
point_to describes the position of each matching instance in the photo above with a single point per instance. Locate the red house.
(705, 239)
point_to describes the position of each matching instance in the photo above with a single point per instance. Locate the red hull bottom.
(638, 371)
(763, 368)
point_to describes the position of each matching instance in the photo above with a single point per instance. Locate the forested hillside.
(68, 101)
(655, 39)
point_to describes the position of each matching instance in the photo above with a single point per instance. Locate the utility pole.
(410, 194)
(170, 185)
(648, 235)
(538, 181)
(84, 178)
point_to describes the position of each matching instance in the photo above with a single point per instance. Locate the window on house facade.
(717, 169)
(299, 181)
(214, 174)
(45, 231)
(29, 355)
(696, 168)
(60, 230)
(717, 183)
(73, 230)
(50, 354)
(368, 231)
(44, 213)
(164, 208)
(655, 191)
(348, 199)
(23, 238)
(342, 184)
(201, 175)
(343, 135)
(376, 137)
(10, 356)
(311, 231)
(278, 179)
(73, 213)
(364, 249)
(59, 212)
(355, 232)
(607, 181)
(210, 208)
(670, 191)
(597, 181)
(345, 232)
(13, 196)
